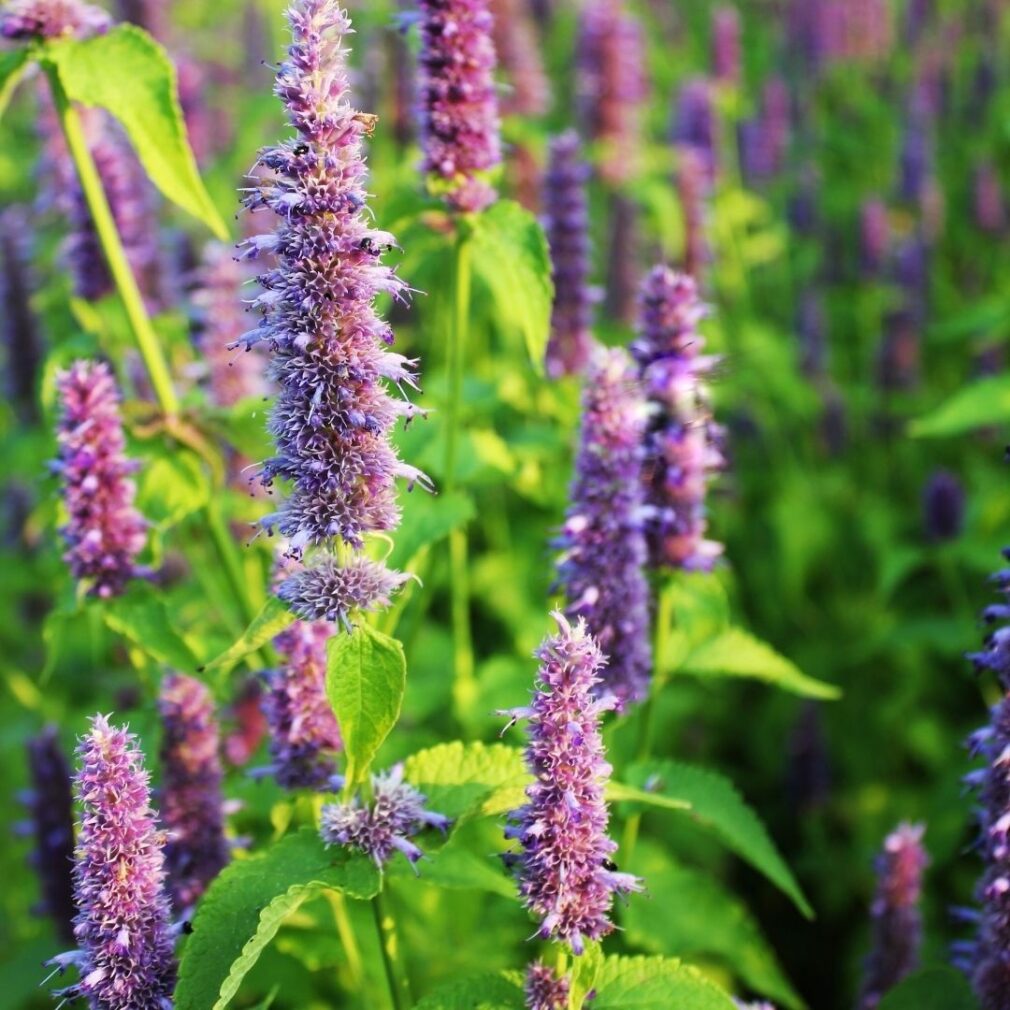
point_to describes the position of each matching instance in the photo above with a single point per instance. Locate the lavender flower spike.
(897, 922)
(544, 990)
(387, 825)
(48, 19)
(604, 552)
(682, 443)
(191, 796)
(123, 927)
(460, 127)
(563, 866)
(567, 227)
(105, 533)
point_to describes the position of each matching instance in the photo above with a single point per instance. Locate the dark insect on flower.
(543, 990)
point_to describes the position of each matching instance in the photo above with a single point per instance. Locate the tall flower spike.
(543, 989)
(563, 865)
(567, 227)
(726, 45)
(48, 19)
(602, 565)
(897, 921)
(50, 804)
(104, 533)
(22, 349)
(386, 825)
(517, 46)
(460, 128)
(943, 506)
(191, 800)
(682, 442)
(123, 929)
(695, 127)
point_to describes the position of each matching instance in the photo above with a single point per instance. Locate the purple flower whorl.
(604, 551)
(562, 865)
(897, 921)
(543, 990)
(682, 442)
(49, 19)
(567, 225)
(105, 533)
(123, 927)
(460, 128)
(191, 800)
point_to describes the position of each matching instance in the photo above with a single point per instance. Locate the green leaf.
(511, 258)
(142, 616)
(171, 486)
(246, 904)
(980, 405)
(585, 973)
(12, 68)
(468, 861)
(737, 653)
(477, 992)
(129, 74)
(427, 519)
(931, 989)
(655, 983)
(366, 675)
(272, 619)
(618, 792)
(715, 803)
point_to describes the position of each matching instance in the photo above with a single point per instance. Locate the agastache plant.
(602, 565)
(104, 532)
(518, 50)
(334, 413)
(191, 798)
(543, 990)
(20, 336)
(48, 19)
(460, 128)
(682, 443)
(563, 867)
(123, 931)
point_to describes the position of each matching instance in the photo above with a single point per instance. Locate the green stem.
(355, 965)
(112, 248)
(396, 978)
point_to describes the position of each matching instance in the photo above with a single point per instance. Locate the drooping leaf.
(272, 619)
(427, 519)
(655, 983)
(931, 989)
(477, 992)
(12, 67)
(246, 904)
(618, 792)
(982, 404)
(366, 675)
(143, 617)
(128, 73)
(715, 803)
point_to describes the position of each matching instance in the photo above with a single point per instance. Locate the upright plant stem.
(355, 969)
(399, 985)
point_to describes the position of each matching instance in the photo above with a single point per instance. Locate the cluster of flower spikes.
(897, 920)
(567, 226)
(385, 825)
(104, 532)
(603, 547)
(48, 19)
(682, 443)
(460, 127)
(123, 928)
(543, 990)
(563, 867)
(191, 799)
(989, 961)
(334, 412)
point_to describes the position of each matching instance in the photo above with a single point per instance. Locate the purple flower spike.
(51, 808)
(49, 19)
(897, 921)
(105, 533)
(874, 236)
(304, 734)
(682, 444)
(518, 47)
(564, 870)
(191, 799)
(385, 826)
(695, 127)
(460, 129)
(567, 227)
(21, 343)
(544, 990)
(604, 552)
(726, 45)
(943, 507)
(990, 210)
(123, 930)
(334, 413)
(151, 15)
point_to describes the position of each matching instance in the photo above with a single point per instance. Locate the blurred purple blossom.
(695, 125)
(874, 236)
(988, 204)
(21, 346)
(47, 19)
(517, 43)
(543, 989)
(943, 506)
(726, 45)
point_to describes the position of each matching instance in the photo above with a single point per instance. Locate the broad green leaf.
(426, 520)
(246, 904)
(716, 804)
(477, 992)
(366, 675)
(126, 72)
(272, 619)
(468, 861)
(171, 486)
(511, 258)
(585, 973)
(737, 653)
(980, 405)
(12, 68)
(143, 617)
(931, 989)
(618, 792)
(655, 983)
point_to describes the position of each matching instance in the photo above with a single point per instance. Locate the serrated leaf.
(655, 983)
(981, 405)
(427, 519)
(463, 863)
(716, 804)
(272, 619)
(129, 74)
(511, 258)
(931, 989)
(737, 653)
(618, 792)
(12, 67)
(142, 617)
(477, 992)
(246, 904)
(366, 675)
